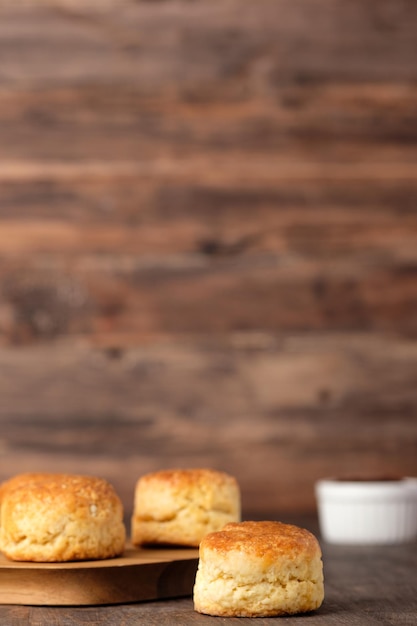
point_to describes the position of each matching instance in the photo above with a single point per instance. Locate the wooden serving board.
(139, 574)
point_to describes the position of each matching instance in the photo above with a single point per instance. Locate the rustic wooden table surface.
(364, 586)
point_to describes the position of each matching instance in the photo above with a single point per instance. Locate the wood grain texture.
(244, 172)
(136, 576)
(278, 412)
(208, 239)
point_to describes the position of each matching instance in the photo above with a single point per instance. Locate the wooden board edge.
(92, 586)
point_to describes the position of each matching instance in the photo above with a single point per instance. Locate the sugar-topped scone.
(259, 569)
(60, 517)
(181, 506)
(19, 479)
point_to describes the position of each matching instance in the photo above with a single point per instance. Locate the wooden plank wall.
(208, 240)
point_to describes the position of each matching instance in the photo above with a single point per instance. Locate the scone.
(181, 506)
(60, 517)
(20, 479)
(259, 569)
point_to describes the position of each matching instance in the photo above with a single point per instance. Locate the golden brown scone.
(15, 481)
(60, 517)
(259, 569)
(181, 506)
(19, 479)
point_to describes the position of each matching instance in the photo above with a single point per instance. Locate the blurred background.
(208, 241)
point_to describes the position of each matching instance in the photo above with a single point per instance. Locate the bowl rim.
(404, 488)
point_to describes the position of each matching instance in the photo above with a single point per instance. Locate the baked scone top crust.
(70, 491)
(179, 479)
(22, 479)
(268, 540)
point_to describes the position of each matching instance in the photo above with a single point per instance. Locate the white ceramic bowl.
(367, 512)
